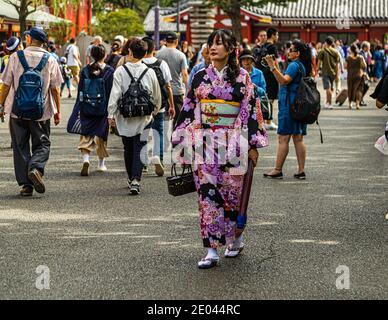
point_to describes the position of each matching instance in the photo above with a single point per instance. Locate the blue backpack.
(29, 99)
(93, 100)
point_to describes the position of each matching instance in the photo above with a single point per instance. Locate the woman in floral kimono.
(220, 108)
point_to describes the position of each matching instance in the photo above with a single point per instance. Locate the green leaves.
(123, 21)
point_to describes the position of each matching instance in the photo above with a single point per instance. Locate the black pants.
(178, 103)
(133, 147)
(25, 156)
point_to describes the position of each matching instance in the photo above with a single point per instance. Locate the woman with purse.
(300, 66)
(89, 116)
(221, 117)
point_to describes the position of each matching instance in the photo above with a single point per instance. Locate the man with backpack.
(31, 96)
(163, 74)
(134, 100)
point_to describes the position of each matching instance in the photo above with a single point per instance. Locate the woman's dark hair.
(230, 43)
(150, 44)
(138, 48)
(97, 53)
(378, 47)
(115, 46)
(304, 55)
(354, 49)
(125, 48)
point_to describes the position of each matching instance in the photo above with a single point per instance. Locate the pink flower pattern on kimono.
(219, 191)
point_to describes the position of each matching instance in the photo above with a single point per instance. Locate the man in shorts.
(73, 60)
(329, 58)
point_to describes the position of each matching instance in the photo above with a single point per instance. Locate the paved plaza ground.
(100, 243)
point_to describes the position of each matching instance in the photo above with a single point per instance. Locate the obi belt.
(219, 113)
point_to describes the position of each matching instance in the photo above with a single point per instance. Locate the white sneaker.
(328, 106)
(271, 126)
(102, 168)
(135, 187)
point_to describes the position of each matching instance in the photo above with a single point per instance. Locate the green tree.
(232, 9)
(26, 7)
(123, 21)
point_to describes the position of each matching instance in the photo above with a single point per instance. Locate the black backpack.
(162, 82)
(307, 103)
(136, 101)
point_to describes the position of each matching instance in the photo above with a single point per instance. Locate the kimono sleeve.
(186, 118)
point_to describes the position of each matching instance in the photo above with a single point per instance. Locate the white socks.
(85, 157)
(212, 253)
(101, 162)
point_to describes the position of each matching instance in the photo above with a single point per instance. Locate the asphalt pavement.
(97, 242)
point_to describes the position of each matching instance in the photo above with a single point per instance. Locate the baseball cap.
(63, 60)
(171, 36)
(37, 34)
(12, 43)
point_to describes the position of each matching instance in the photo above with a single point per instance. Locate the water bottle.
(81, 96)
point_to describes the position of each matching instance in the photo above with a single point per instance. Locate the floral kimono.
(231, 117)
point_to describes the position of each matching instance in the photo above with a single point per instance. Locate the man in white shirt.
(132, 128)
(162, 70)
(74, 60)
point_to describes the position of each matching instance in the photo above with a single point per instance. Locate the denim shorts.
(328, 82)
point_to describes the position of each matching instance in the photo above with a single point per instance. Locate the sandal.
(233, 252)
(208, 263)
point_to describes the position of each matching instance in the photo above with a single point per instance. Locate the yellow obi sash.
(219, 113)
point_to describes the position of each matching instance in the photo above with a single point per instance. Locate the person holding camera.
(269, 48)
(300, 66)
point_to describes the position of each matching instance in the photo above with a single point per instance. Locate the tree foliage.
(123, 21)
(25, 7)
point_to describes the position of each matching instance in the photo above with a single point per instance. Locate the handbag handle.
(174, 173)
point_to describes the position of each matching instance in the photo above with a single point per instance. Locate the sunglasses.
(293, 50)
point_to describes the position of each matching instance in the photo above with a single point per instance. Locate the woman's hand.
(253, 154)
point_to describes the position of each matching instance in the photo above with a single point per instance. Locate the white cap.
(120, 38)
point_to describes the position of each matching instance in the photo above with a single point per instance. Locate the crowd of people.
(185, 99)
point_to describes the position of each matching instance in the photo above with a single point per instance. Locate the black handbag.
(179, 185)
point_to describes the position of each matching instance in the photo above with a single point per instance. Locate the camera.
(264, 62)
